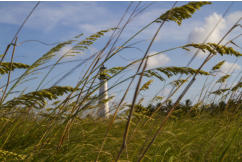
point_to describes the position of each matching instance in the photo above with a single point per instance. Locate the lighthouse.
(103, 110)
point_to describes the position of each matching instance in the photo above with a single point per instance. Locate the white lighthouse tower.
(103, 110)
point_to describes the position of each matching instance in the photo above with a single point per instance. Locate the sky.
(54, 22)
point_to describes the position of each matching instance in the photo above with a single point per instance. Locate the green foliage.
(202, 137)
(178, 113)
(37, 99)
(178, 14)
(142, 112)
(5, 67)
(5, 119)
(214, 48)
(222, 156)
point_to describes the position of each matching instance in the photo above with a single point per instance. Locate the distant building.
(103, 110)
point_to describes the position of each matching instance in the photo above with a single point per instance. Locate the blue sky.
(59, 21)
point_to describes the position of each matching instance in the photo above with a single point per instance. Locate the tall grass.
(48, 124)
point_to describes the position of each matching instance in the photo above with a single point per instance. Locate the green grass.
(201, 138)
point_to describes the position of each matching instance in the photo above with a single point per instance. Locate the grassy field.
(201, 138)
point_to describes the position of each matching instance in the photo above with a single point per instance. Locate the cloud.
(154, 61)
(169, 32)
(165, 91)
(135, 24)
(233, 18)
(229, 67)
(89, 17)
(50, 15)
(199, 34)
(179, 33)
(157, 61)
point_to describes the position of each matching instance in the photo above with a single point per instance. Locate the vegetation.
(49, 124)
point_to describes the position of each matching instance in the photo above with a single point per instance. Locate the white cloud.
(233, 18)
(154, 61)
(229, 67)
(91, 17)
(52, 14)
(165, 91)
(199, 34)
(157, 61)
